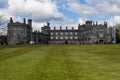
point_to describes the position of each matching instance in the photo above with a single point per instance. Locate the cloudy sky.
(61, 12)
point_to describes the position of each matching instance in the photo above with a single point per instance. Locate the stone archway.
(101, 41)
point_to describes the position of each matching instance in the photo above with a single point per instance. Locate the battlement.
(11, 22)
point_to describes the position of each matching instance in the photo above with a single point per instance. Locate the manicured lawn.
(60, 62)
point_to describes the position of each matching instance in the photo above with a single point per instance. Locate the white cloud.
(43, 10)
(16, 7)
(95, 8)
(114, 20)
(81, 9)
(81, 21)
(38, 10)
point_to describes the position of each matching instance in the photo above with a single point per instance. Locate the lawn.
(60, 62)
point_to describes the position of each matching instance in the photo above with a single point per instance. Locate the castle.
(88, 33)
(19, 33)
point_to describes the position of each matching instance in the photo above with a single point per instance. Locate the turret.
(88, 23)
(78, 26)
(105, 24)
(30, 22)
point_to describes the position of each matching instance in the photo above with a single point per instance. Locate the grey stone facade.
(19, 33)
(65, 36)
(89, 33)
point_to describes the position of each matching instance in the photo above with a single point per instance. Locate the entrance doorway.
(66, 42)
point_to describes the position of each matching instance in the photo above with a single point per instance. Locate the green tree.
(117, 26)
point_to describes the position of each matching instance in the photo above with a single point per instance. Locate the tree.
(117, 26)
(2, 24)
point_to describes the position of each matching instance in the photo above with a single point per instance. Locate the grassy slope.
(60, 62)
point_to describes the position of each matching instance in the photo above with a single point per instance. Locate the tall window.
(51, 33)
(76, 37)
(71, 37)
(66, 33)
(71, 33)
(76, 33)
(66, 37)
(14, 29)
(51, 37)
(56, 37)
(14, 33)
(61, 37)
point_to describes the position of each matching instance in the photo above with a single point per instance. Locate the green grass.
(60, 62)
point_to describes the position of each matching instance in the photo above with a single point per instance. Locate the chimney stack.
(24, 21)
(48, 24)
(72, 28)
(66, 27)
(54, 28)
(30, 22)
(11, 21)
(60, 27)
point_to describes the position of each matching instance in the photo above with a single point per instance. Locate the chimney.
(54, 28)
(60, 27)
(96, 23)
(72, 28)
(24, 21)
(93, 23)
(66, 27)
(48, 24)
(11, 21)
(30, 22)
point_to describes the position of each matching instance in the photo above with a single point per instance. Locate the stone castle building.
(19, 33)
(88, 33)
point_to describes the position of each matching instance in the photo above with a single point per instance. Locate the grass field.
(60, 62)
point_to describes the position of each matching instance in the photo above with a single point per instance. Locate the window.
(14, 29)
(56, 33)
(61, 33)
(51, 33)
(75, 33)
(71, 33)
(66, 33)
(101, 35)
(76, 37)
(66, 37)
(14, 33)
(71, 37)
(61, 37)
(51, 37)
(56, 37)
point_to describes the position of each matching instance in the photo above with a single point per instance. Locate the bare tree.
(2, 24)
(2, 21)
